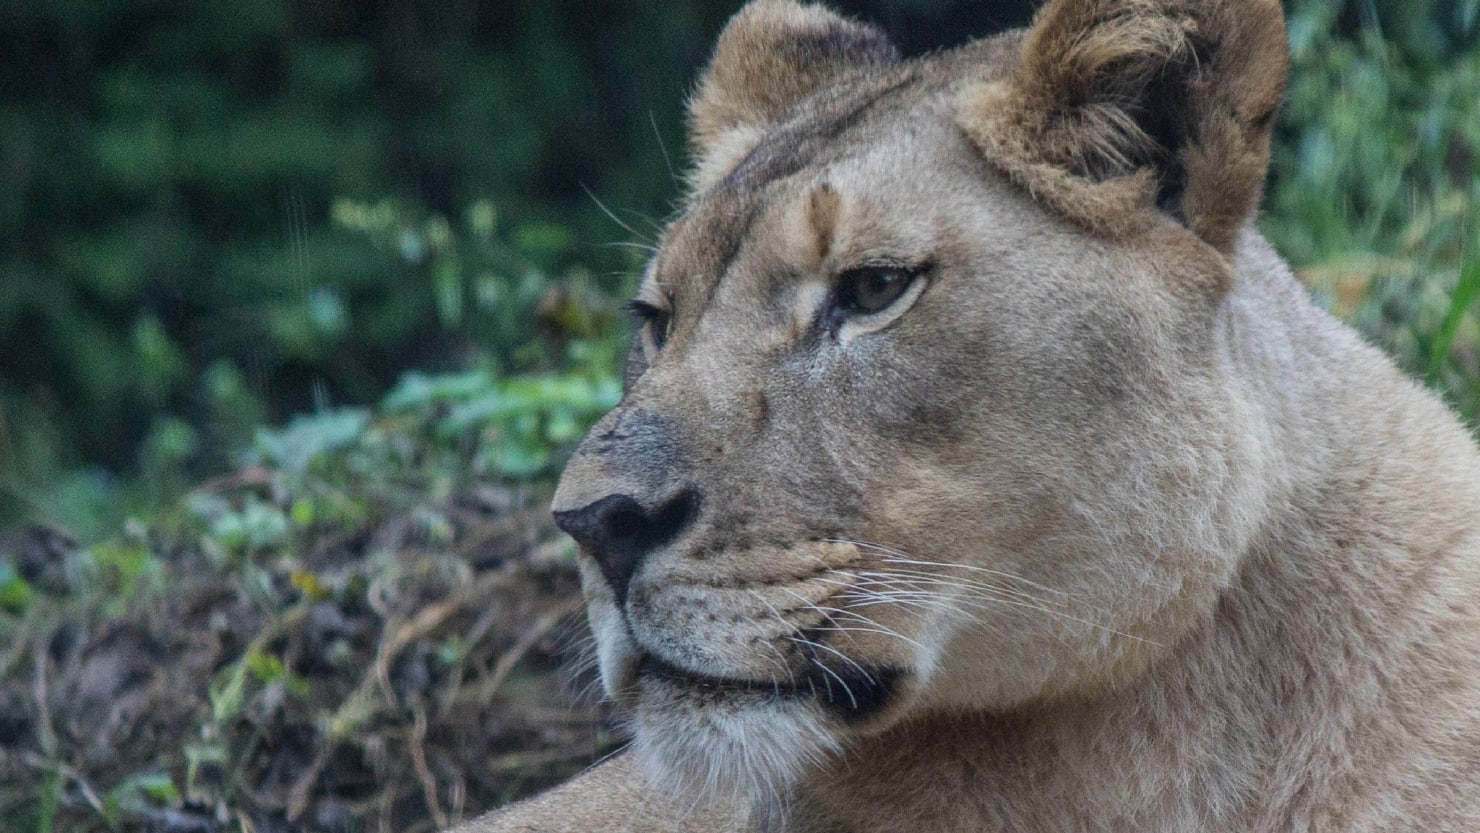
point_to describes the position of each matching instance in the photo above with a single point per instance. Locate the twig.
(427, 621)
(89, 795)
(475, 634)
(45, 734)
(17, 649)
(506, 663)
(419, 760)
(515, 761)
(457, 793)
(298, 797)
(383, 818)
(249, 476)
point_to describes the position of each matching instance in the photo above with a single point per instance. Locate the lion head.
(927, 411)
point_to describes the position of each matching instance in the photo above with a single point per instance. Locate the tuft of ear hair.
(771, 55)
(1119, 109)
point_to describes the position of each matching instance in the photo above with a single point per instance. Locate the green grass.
(1376, 178)
(1461, 300)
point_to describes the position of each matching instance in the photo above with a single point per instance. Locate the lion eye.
(656, 320)
(870, 289)
(660, 325)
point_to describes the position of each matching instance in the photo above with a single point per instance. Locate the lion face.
(899, 435)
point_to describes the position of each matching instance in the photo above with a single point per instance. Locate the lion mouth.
(853, 696)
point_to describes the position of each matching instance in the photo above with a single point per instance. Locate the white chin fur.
(744, 751)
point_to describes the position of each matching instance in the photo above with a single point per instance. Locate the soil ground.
(396, 674)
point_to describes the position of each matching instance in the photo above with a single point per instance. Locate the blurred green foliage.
(1377, 178)
(218, 215)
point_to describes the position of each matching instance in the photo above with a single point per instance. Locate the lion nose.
(618, 531)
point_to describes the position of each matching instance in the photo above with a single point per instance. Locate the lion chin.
(741, 738)
(980, 467)
(713, 742)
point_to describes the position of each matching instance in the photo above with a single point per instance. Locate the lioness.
(981, 468)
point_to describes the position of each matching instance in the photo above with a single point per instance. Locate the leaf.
(1465, 293)
(137, 793)
(303, 513)
(265, 666)
(48, 796)
(227, 692)
(515, 461)
(307, 583)
(15, 592)
(543, 238)
(417, 390)
(308, 438)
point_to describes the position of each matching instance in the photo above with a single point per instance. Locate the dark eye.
(870, 289)
(657, 320)
(661, 324)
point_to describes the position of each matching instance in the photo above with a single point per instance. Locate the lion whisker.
(898, 556)
(828, 612)
(907, 577)
(834, 675)
(975, 595)
(985, 603)
(908, 590)
(844, 657)
(911, 576)
(780, 658)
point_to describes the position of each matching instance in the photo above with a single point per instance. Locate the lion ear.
(1120, 108)
(771, 55)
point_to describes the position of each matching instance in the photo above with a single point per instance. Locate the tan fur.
(1070, 123)
(1100, 525)
(771, 56)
